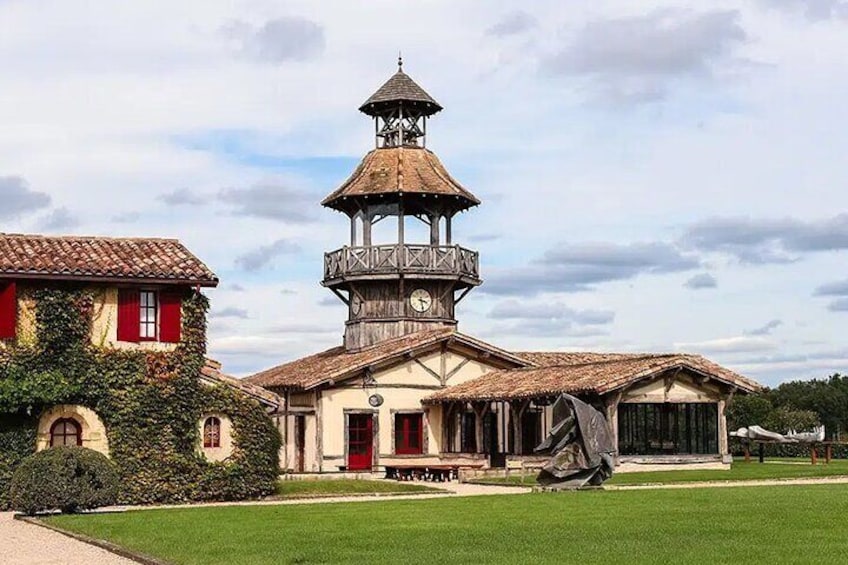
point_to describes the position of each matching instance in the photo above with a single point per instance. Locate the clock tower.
(397, 287)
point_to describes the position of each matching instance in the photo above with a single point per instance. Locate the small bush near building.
(69, 479)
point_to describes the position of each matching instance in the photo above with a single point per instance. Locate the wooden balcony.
(389, 261)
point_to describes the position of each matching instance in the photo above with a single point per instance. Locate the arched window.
(65, 431)
(212, 432)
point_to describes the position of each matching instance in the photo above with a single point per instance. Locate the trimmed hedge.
(69, 479)
(150, 402)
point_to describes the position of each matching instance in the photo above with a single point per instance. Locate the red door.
(360, 441)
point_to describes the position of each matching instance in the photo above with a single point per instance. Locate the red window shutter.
(170, 317)
(8, 310)
(129, 315)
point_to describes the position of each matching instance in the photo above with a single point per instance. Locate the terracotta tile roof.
(546, 358)
(598, 376)
(334, 365)
(211, 373)
(400, 170)
(76, 257)
(400, 88)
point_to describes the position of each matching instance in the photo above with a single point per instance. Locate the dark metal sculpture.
(580, 444)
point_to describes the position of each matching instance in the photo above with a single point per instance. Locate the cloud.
(738, 344)
(296, 328)
(230, 312)
(483, 237)
(19, 199)
(577, 267)
(235, 287)
(278, 40)
(814, 10)
(838, 305)
(126, 218)
(513, 309)
(513, 23)
(271, 201)
(182, 197)
(259, 258)
(700, 281)
(838, 288)
(330, 301)
(59, 219)
(636, 59)
(768, 240)
(765, 329)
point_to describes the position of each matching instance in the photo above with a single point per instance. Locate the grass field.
(739, 471)
(341, 487)
(786, 524)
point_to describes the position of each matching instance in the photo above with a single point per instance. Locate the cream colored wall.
(104, 330)
(221, 453)
(93, 431)
(402, 388)
(683, 389)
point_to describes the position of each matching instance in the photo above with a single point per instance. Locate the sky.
(655, 176)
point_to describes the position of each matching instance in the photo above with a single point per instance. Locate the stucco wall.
(93, 431)
(402, 388)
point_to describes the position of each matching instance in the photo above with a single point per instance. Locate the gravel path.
(26, 544)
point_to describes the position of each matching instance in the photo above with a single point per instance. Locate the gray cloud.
(513, 309)
(769, 240)
(58, 220)
(19, 199)
(288, 291)
(330, 301)
(513, 23)
(484, 237)
(636, 59)
(838, 288)
(271, 201)
(259, 258)
(278, 40)
(701, 281)
(814, 10)
(569, 268)
(765, 329)
(182, 197)
(838, 305)
(230, 312)
(235, 287)
(296, 328)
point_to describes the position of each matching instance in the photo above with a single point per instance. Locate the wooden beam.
(456, 369)
(428, 369)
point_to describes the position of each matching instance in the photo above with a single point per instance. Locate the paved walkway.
(25, 544)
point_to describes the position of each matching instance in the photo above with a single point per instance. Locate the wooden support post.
(747, 452)
(353, 231)
(366, 230)
(762, 450)
(814, 457)
(828, 453)
(517, 410)
(448, 235)
(400, 222)
(480, 411)
(434, 230)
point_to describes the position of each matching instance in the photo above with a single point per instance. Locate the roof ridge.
(87, 237)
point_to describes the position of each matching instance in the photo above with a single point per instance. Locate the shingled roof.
(211, 373)
(400, 88)
(400, 170)
(603, 374)
(101, 258)
(336, 364)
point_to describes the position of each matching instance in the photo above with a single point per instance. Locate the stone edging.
(102, 544)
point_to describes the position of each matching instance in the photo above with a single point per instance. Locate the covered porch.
(662, 410)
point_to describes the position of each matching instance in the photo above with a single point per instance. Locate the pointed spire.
(400, 88)
(400, 62)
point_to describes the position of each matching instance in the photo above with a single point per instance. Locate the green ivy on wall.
(150, 402)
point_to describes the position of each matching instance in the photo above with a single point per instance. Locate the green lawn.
(340, 487)
(739, 471)
(785, 524)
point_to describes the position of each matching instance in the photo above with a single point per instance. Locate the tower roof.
(400, 170)
(400, 88)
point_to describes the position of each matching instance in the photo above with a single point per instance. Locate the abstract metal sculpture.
(580, 445)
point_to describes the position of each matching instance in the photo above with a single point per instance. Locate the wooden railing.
(435, 259)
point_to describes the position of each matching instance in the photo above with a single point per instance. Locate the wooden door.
(299, 443)
(360, 441)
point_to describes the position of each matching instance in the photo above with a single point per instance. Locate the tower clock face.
(420, 300)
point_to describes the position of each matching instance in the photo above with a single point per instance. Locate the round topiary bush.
(69, 479)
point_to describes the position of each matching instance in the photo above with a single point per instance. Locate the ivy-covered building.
(102, 345)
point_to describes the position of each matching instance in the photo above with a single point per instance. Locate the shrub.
(69, 479)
